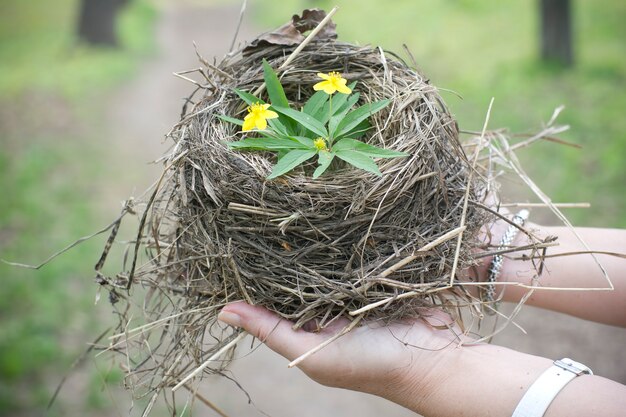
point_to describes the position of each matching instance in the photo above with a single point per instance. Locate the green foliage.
(348, 144)
(292, 159)
(274, 87)
(324, 160)
(41, 217)
(490, 49)
(39, 51)
(350, 122)
(48, 175)
(298, 136)
(305, 120)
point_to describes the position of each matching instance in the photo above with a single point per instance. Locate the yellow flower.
(257, 116)
(320, 144)
(332, 82)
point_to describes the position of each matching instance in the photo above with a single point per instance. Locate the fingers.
(269, 328)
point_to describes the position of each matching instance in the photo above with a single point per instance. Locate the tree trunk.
(96, 24)
(556, 32)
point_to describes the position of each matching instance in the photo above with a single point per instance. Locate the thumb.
(269, 328)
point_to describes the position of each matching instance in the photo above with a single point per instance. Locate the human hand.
(393, 361)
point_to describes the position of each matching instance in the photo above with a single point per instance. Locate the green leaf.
(358, 159)
(315, 103)
(358, 131)
(324, 160)
(355, 117)
(291, 160)
(308, 142)
(274, 87)
(340, 99)
(267, 143)
(351, 101)
(348, 144)
(230, 119)
(247, 97)
(277, 95)
(314, 106)
(278, 126)
(304, 119)
(332, 124)
(341, 113)
(280, 153)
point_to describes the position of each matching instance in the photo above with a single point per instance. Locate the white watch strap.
(541, 393)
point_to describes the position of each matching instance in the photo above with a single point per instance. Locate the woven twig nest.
(318, 248)
(215, 230)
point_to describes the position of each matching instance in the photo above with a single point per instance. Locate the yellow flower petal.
(248, 123)
(319, 86)
(344, 89)
(333, 83)
(329, 88)
(261, 123)
(269, 114)
(257, 117)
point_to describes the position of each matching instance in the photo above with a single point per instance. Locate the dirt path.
(142, 111)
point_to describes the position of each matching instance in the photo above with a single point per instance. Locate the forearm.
(487, 380)
(576, 271)
(422, 367)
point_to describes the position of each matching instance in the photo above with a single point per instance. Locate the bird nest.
(347, 244)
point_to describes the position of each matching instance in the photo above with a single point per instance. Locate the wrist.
(507, 269)
(468, 372)
(417, 385)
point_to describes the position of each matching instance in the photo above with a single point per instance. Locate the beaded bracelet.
(498, 260)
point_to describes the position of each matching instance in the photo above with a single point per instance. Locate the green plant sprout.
(325, 127)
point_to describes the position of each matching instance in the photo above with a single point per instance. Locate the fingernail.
(230, 318)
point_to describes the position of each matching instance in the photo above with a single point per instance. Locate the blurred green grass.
(488, 48)
(51, 90)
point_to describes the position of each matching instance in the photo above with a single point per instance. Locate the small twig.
(215, 356)
(114, 224)
(327, 342)
(540, 205)
(385, 301)
(546, 138)
(155, 323)
(517, 168)
(526, 286)
(505, 219)
(76, 363)
(205, 401)
(467, 191)
(300, 47)
(180, 75)
(451, 234)
(514, 249)
(241, 14)
(582, 252)
(254, 210)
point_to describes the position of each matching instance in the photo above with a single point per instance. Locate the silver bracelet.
(542, 392)
(496, 264)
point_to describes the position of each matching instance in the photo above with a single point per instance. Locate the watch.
(541, 393)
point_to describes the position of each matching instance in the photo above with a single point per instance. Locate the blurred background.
(87, 95)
